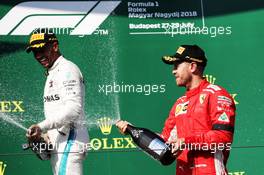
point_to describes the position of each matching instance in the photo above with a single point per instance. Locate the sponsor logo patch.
(180, 50)
(51, 98)
(37, 36)
(224, 99)
(181, 108)
(223, 118)
(202, 98)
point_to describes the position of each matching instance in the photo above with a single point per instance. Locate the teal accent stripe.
(63, 163)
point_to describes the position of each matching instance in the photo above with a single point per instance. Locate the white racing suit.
(65, 121)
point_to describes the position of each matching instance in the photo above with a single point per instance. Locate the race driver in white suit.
(63, 106)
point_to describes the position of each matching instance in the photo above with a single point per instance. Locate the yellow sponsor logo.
(105, 125)
(181, 108)
(11, 106)
(111, 143)
(234, 98)
(37, 36)
(180, 50)
(178, 109)
(168, 58)
(2, 168)
(105, 143)
(38, 45)
(210, 78)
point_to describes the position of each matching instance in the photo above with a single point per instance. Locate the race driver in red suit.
(201, 123)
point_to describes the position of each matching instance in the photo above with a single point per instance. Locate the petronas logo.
(2, 168)
(210, 78)
(105, 125)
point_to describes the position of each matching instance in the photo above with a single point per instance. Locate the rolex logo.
(2, 168)
(210, 78)
(105, 124)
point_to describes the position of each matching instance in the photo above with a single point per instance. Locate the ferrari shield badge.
(202, 98)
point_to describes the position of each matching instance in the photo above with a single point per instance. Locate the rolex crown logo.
(210, 78)
(2, 168)
(105, 124)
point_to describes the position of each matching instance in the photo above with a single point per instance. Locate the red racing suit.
(205, 117)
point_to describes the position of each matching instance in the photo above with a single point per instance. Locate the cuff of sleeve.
(44, 125)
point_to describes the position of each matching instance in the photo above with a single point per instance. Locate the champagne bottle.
(152, 144)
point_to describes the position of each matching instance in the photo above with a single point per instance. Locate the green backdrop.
(125, 51)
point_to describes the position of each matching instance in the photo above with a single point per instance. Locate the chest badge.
(181, 108)
(202, 98)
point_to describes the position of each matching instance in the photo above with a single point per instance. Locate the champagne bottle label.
(136, 133)
(157, 146)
